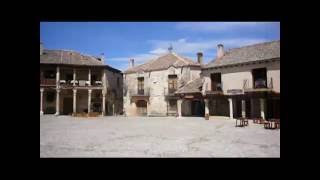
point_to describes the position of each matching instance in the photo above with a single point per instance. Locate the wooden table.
(243, 122)
(275, 123)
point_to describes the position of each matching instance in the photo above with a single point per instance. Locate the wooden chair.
(241, 122)
(277, 123)
(267, 124)
(245, 121)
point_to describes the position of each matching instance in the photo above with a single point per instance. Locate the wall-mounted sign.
(234, 91)
(188, 97)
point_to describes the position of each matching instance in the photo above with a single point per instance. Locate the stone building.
(72, 83)
(243, 82)
(149, 88)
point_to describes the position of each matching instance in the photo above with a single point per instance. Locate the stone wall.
(117, 98)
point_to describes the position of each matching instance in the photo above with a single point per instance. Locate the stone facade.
(156, 83)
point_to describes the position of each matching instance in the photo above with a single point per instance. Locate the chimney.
(200, 57)
(102, 58)
(41, 48)
(220, 51)
(131, 63)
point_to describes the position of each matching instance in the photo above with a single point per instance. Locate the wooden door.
(141, 108)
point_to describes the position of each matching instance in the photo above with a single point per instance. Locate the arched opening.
(141, 107)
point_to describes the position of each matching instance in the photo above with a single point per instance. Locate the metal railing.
(215, 86)
(258, 84)
(140, 92)
(169, 92)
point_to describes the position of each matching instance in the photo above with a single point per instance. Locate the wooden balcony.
(47, 82)
(80, 83)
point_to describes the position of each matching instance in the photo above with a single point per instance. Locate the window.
(259, 77)
(118, 82)
(172, 83)
(216, 82)
(141, 85)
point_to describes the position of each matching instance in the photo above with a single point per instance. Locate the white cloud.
(158, 51)
(184, 47)
(192, 47)
(220, 26)
(123, 62)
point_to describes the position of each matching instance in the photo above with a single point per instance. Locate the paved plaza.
(66, 136)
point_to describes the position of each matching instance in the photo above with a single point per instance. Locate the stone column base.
(41, 112)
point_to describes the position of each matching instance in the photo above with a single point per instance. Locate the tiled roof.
(163, 62)
(256, 52)
(194, 86)
(68, 58)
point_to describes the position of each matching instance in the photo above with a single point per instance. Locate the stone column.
(103, 103)
(41, 101)
(74, 77)
(57, 102)
(104, 80)
(89, 77)
(58, 77)
(179, 103)
(243, 108)
(74, 101)
(89, 100)
(230, 108)
(206, 106)
(262, 108)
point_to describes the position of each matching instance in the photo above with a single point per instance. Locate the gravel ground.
(65, 136)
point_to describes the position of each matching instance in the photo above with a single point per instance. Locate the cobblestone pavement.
(65, 136)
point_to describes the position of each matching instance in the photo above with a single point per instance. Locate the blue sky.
(121, 41)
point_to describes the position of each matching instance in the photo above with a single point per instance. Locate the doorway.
(141, 107)
(67, 106)
(197, 108)
(248, 109)
(273, 108)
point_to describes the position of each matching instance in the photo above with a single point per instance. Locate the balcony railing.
(140, 92)
(169, 92)
(49, 82)
(216, 88)
(258, 84)
(80, 83)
